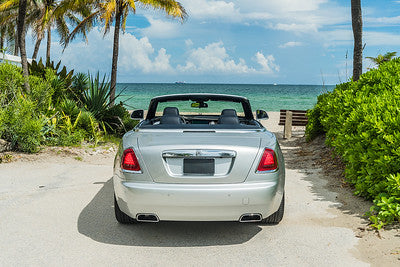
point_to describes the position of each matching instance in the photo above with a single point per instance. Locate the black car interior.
(227, 119)
(172, 119)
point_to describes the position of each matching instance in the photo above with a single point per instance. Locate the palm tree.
(7, 32)
(43, 15)
(108, 11)
(356, 21)
(20, 36)
(59, 14)
(21, 41)
(8, 20)
(382, 58)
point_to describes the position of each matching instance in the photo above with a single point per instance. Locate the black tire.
(276, 217)
(120, 215)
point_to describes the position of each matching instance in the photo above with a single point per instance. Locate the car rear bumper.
(198, 202)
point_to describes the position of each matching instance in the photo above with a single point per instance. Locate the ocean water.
(262, 96)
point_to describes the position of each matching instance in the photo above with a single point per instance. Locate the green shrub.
(22, 128)
(314, 127)
(362, 122)
(2, 121)
(80, 83)
(58, 110)
(11, 82)
(41, 92)
(69, 108)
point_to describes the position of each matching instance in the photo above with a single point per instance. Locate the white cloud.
(213, 58)
(381, 38)
(384, 20)
(274, 11)
(370, 38)
(211, 9)
(295, 16)
(291, 44)
(336, 37)
(161, 28)
(188, 43)
(267, 63)
(280, 6)
(297, 28)
(135, 55)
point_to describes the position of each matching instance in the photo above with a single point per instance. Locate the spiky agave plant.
(96, 98)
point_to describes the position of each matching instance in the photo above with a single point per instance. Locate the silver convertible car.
(199, 157)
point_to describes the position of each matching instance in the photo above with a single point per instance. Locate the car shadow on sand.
(97, 222)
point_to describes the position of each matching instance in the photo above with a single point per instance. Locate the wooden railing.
(290, 118)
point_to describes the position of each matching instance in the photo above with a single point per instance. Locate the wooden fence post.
(287, 131)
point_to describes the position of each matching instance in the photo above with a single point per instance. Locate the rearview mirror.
(261, 115)
(199, 105)
(137, 114)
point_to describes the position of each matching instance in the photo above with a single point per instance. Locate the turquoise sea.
(262, 96)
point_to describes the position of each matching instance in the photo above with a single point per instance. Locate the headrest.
(170, 120)
(228, 120)
(228, 112)
(171, 111)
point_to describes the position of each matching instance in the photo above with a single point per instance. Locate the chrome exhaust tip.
(147, 217)
(250, 217)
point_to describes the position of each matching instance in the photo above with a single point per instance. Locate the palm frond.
(82, 27)
(62, 29)
(8, 4)
(171, 7)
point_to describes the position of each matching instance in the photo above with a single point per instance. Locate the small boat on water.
(180, 82)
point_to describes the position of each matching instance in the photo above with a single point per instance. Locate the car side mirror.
(137, 114)
(261, 115)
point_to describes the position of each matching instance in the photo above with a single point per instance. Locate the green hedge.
(53, 112)
(362, 122)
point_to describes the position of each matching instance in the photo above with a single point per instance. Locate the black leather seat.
(228, 116)
(171, 111)
(171, 116)
(229, 112)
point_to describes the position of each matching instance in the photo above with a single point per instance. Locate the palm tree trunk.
(2, 43)
(48, 44)
(356, 19)
(37, 45)
(113, 81)
(21, 41)
(16, 43)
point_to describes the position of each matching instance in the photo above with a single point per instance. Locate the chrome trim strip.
(127, 171)
(271, 171)
(198, 153)
(199, 131)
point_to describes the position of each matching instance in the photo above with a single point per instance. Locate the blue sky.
(241, 41)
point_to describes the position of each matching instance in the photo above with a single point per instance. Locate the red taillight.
(268, 161)
(129, 161)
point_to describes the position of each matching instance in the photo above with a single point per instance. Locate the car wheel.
(276, 217)
(120, 215)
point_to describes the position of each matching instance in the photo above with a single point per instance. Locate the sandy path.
(58, 210)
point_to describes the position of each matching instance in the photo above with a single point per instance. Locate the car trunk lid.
(198, 157)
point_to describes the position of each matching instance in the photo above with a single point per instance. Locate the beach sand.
(56, 206)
